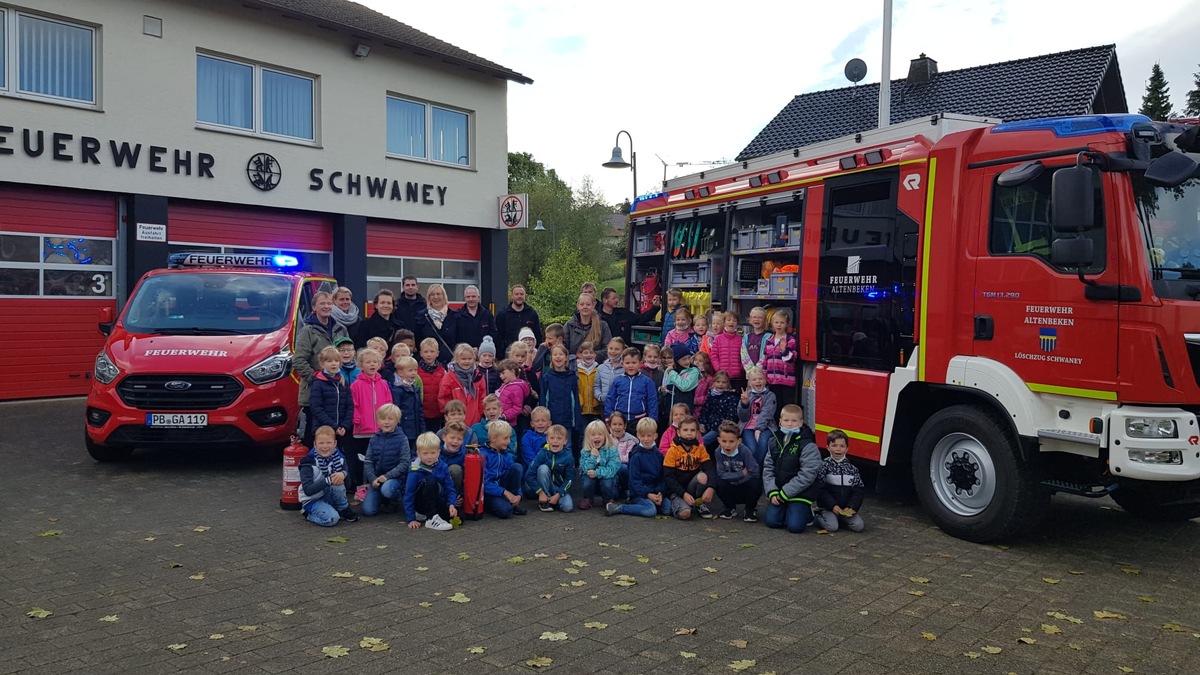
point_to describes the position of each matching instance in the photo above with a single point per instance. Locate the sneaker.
(436, 523)
(421, 517)
(349, 515)
(545, 507)
(727, 514)
(585, 504)
(705, 512)
(751, 516)
(519, 510)
(612, 509)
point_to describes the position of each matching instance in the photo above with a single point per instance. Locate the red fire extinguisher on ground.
(292, 455)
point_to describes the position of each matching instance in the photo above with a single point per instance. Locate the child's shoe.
(348, 515)
(612, 509)
(705, 512)
(585, 504)
(518, 510)
(436, 523)
(361, 493)
(545, 507)
(727, 514)
(751, 516)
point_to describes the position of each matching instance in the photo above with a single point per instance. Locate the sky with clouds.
(695, 81)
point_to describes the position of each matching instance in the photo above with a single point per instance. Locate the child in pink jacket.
(726, 352)
(369, 391)
(512, 391)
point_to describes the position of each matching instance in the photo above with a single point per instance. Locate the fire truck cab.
(999, 311)
(202, 355)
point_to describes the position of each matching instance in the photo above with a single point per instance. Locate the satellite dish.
(856, 70)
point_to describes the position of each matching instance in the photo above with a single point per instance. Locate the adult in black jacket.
(410, 310)
(621, 320)
(383, 323)
(473, 321)
(440, 322)
(515, 316)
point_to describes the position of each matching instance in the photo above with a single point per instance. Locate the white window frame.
(257, 107)
(41, 266)
(10, 18)
(428, 107)
(425, 281)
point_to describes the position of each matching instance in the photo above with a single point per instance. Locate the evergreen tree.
(1156, 104)
(1193, 98)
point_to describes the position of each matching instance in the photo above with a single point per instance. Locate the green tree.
(554, 288)
(1192, 108)
(1156, 103)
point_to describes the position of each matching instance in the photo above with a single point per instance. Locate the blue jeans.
(391, 490)
(324, 510)
(623, 481)
(549, 489)
(642, 506)
(796, 515)
(710, 440)
(758, 448)
(497, 505)
(607, 486)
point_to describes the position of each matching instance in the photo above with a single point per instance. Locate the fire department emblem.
(264, 172)
(1048, 337)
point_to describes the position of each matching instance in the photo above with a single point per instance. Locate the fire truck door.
(1029, 314)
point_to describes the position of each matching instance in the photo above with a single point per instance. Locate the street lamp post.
(618, 161)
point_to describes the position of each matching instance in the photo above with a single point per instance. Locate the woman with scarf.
(463, 382)
(345, 312)
(441, 320)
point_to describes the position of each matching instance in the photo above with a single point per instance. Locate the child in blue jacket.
(492, 410)
(329, 399)
(632, 392)
(407, 395)
(551, 471)
(501, 474)
(429, 490)
(647, 490)
(560, 392)
(532, 442)
(454, 452)
(387, 461)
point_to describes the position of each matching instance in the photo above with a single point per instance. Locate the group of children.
(689, 425)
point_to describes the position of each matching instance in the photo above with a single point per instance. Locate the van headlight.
(272, 368)
(104, 370)
(1151, 427)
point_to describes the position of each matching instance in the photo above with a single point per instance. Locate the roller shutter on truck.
(57, 267)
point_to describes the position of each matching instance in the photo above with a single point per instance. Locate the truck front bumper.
(1142, 456)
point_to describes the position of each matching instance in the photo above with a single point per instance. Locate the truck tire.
(1162, 502)
(106, 453)
(970, 478)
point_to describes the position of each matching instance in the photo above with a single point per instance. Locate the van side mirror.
(1072, 199)
(104, 320)
(1171, 170)
(1072, 253)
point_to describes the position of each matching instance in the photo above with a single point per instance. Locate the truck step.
(1070, 436)
(1093, 490)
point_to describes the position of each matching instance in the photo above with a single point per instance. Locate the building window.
(448, 140)
(55, 266)
(320, 262)
(254, 98)
(47, 58)
(388, 272)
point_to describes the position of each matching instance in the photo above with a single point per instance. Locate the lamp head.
(617, 161)
(540, 227)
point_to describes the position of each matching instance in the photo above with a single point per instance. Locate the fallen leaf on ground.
(216, 636)
(335, 651)
(1125, 669)
(571, 570)
(476, 650)
(248, 629)
(287, 612)
(1051, 629)
(579, 563)
(149, 538)
(745, 545)
(1063, 617)
(546, 596)
(337, 540)
(1076, 572)
(50, 533)
(343, 575)
(623, 608)
(1174, 627)
(201, 528)
(607, 573)
(111, 618)
(425, 604)
(557, 636)
(864, 612)
(714, 596)
(1145, 598)
(1131, 570)
(516, 560)
(418, 555)
(972, 655)
(1050, 581)
(541, 555)
(561, 556)
(1105, 614)
(39, 613)
(624, 583)
(643, 559)
(991, 650)
(743, 664)
(1002, 547)
(374, 644)
(177, 646)
(464, 556)
(1027, 640)
(740, 644)
(685, 631)
(539, 662)
(917, 593)
(929, 636)
(52, 519)
(381, 546)
(918, 580)
(710, 570)
(822, 531)
(579, 584)
(459, 598)
(198, 576)
(1075, 646)
(602, 544)
(688, 655)
(595, 624)
(175, 565)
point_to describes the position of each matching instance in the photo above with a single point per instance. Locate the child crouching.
(551, 471)
(737, 475)
(387, 461)
(647, 492)
(790, 472)
(429, 490)
(841, 487)
(501, 473)
(323, 482)
(598, 465)
(689, 472)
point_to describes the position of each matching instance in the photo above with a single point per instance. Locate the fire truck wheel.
(106, 453)
(970, 479)
(1164, 502)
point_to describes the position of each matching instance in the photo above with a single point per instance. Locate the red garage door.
(432, 253)
(223, 229)
(57, 262)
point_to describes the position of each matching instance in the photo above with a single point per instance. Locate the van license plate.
(176, 420)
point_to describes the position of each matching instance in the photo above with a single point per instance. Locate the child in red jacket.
(463, 382)
(431, 372)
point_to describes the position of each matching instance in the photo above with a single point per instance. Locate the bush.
(554, 290)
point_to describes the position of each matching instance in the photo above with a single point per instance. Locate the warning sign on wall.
(514, 212)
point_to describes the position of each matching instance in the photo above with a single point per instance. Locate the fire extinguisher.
(292, 455)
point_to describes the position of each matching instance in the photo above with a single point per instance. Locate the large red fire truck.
(202, 355)
(1004, 311)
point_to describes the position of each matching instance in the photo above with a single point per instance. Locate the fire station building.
(318, 128)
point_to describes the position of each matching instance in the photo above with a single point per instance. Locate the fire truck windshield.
(211, 303)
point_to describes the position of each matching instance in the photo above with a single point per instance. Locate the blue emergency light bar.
(257, 260)
(1079, 125)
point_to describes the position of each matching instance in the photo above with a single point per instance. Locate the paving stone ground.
(836, 603)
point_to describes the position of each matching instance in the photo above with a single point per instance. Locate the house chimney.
(921, 69)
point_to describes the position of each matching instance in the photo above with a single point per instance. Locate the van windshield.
(210, 304)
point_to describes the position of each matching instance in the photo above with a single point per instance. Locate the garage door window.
(455, 275)
(55, 266)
